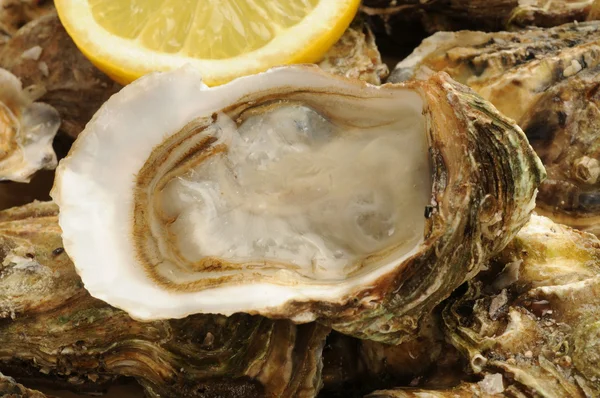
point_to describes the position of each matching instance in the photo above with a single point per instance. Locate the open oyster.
(292, 193)
(547, 80)
(53, 332)
(26, 132)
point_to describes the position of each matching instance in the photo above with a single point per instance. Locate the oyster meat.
(533, 317)
(546, 80)
(53, 332)
(292, 194)
(27, 129)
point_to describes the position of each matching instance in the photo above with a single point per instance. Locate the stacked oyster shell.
(206, 241)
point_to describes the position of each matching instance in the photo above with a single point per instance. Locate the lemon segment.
(225, 39)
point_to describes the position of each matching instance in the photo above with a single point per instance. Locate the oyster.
(53, 331)
(354, 367)
(355, 55)
(533, 317)
(547, 80)
(16, 13)
(464, 390)
(396, 17)
(43, 56)
(258, 196)
(9, 388)
(27, 131)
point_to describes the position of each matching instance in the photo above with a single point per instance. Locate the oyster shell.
(354, 367)
(258, 196)
(53, 331)
(9, 388)
(16, 13)
(27, 131)
(355, 55)
(43, 55)
(547, 80)
(409, 20)
(464, 390)
(534, 316)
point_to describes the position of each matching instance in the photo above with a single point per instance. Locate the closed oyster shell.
(296, 227)
(53, 332)
(534, 316)
(547, 80)
(26, 132)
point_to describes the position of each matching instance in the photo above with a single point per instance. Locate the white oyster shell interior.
(27, 130)
(290, 185)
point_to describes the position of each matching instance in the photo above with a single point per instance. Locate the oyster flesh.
(292, 194)
(53, 332)
(27, 129)
(533, 317)
(547, 80)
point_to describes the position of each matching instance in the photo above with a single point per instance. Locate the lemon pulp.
(182, 26)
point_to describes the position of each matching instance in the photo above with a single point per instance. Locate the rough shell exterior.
(9, 388)
(485, 176)
(53, 331)
(534, 316)
(464, 390)
(355, 55)
(547, 80)
(407, 21)
(43, 56)
(16, 13)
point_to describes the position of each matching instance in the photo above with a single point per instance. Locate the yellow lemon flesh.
(224, 39)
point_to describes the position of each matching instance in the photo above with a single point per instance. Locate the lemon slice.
(224, 39)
